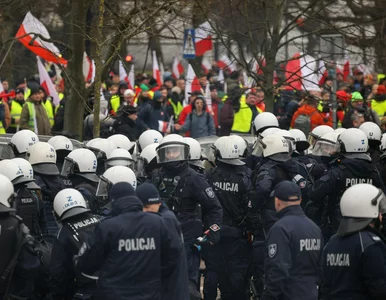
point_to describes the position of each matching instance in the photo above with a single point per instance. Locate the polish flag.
(206, 64)
(156, 69)
(88, 68)
(131, 77)
(28, 35)
(203, 39)
(299, 73)
(163, 126)
(177, 68)
(122, 73)
(192, 84)
(322, 72)
(221, 79)
(346, 68)
(225, 62)
(46, 83)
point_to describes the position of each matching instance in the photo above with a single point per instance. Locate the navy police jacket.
(294, 247)
(130, 249)
(354, 267)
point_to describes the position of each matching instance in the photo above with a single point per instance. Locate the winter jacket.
(151, 113)
(315, 116)
(43, 123)
(378, 104)
(199, 125)
(226, 118)
(133, 251)
(128, 127)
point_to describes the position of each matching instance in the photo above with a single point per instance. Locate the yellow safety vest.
(50, 111)
(115, 103)
(16, 109)
(31, 111)
(2, 129)
(61, 96)
(177, 108)
(27, 93)
(242, 119)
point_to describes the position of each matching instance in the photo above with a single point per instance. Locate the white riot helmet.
(147, 160)
(257, 147)
(241, 143)
(122, 142)
(69, 203)
(382, 147)
(172, 149)
(301, 142)
(354, 143)
(265, 120)
(327, 145)
(13, 172)
(340, 130)
(62, 143)
(359, 205)
(288, 136)
(276, 148)
(102, 148)
(22, 140)
(372, 131)
(7, 193)
(28, 172)
(195, 157)
(112, 176)
(227, 151)
(317, 132)
(119, 157)
(42, 157)
(269, 131)
(148, 137)
(82, 162)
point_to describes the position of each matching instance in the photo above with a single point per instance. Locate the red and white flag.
(28, 35)
(88, 68)
(206, 64)
(131, 77)
(322, 72)
(346, 68)
(204, 39)
(192, 84)
(46, 83)
(177, 68)
(122, 73)
(225, 62)
(156, 69)
(1, 87)
(300, 73)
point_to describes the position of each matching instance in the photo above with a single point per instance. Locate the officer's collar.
(291, 210)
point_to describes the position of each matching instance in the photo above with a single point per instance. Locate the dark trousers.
(193, 260)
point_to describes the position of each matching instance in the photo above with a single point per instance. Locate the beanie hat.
(157, 95)
(356, 96)
(144, 87)
(176, 89)
(381, 89)
(120, 190)
(343, 96)
(148, 194)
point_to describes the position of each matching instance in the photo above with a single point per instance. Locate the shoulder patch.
(209, 192)
(272, 250)
(215, 227)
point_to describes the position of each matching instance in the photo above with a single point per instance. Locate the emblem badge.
(272, 250)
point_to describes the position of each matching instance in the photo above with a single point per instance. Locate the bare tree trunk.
(75, 88)
(98, 70)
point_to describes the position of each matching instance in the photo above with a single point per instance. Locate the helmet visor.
(103, 187)
(170, 152)
(325, 148)
(119, 161)
(312, 140)
(68, 167)
(258, 147)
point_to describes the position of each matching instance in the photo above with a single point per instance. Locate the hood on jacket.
(123, 198)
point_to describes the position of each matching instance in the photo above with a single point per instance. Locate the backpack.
(303, 123)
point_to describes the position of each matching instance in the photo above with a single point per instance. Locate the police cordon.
(259, 220)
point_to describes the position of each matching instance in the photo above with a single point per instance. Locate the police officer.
(76, 224)
(147, 163)
(183, 189)
(317, 133)
(294, 246)
(152, 202)
(148, 137)
(22, 140)
(79, 168)
(63, 146)
(227, 262)
(27, 205)
(102, 148)
(374, 135)
(119, 157)
(354, 260)
(132, 247)
(122, 142)
(195, 159)
(301, 146)
(18, 262)
(353, 167)
(381, 166)
(42, 157)
(110, 177)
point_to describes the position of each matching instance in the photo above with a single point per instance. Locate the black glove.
(214, 235)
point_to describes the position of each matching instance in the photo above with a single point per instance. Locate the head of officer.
(149, 196)
(361, 205)
(286, 193)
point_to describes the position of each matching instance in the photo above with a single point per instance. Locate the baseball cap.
(287, 191)
(148, 194)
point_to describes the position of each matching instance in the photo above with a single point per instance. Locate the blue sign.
(189, 49)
